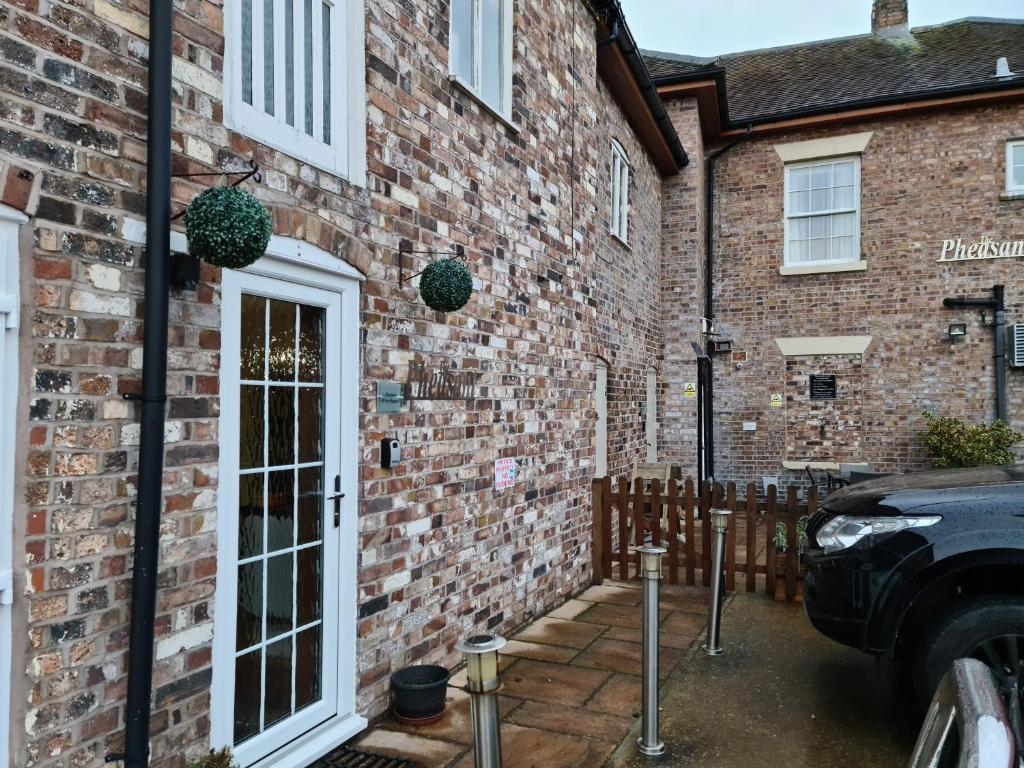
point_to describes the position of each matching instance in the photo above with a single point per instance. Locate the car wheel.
(990, 630)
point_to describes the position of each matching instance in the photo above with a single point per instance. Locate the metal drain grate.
(346, 757)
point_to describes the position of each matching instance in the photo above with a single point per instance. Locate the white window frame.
(856, 209)
(504, 109)
(618, 221)
(346, 155)
(1010, 186)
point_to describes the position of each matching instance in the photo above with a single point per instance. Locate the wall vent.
(1017, 346)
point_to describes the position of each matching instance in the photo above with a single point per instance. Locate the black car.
(928, 567)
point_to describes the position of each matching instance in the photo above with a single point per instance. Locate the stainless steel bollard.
(649, 742)
(720, 524)
(483, 683)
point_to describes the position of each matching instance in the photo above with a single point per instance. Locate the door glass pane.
(253, 337)
(281, 426)
(311, 352)
(307, 48)
(462, 40)
(491, 59)
(289, 61)
(326, 55)
(279, 594)
(307, 607)
(307, 667)
(250, 515)
(279, 682)
(247, 51)
(249, 627)
(1018, 176)
(250, 433)
(311, 504)
(248, 695)
(310, 420)
(280, 509)
(282, 340)
(268, 56)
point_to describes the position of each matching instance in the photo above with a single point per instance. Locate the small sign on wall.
(689, 390)
(823, 387)
(390, 398)
(504, 474)
(776, 400)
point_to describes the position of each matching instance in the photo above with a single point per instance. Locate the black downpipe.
(707, 461)
(154, 389)
(998, 307)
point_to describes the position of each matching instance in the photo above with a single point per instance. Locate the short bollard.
(649, 742)
(483, 682)
(720, 524)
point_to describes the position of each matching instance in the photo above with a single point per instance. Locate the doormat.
(346, 757)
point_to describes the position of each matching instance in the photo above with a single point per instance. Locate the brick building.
(853, 183)
(280, 612)
(530, 135)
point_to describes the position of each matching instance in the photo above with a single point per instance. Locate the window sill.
(1016, 194)
(818, 269)
(467, 89)
(622, 243)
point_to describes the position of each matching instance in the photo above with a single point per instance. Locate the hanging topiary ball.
(227, 227)
(446, 285)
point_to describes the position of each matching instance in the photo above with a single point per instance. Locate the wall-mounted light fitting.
(722, 347)
(957, 330)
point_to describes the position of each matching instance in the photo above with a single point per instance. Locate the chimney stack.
(890, 18)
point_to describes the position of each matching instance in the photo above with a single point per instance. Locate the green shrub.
(221, 759)
(952, 443)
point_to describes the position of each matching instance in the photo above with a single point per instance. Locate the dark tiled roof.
(832, 73)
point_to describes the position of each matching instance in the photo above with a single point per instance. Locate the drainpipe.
(707, 462)
(996, 304)
(154, 390)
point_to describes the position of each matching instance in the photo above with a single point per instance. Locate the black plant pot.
(419, 693)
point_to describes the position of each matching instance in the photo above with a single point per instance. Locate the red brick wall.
(440, 551)
(923, 179)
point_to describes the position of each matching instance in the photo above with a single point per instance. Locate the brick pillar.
(889, 18)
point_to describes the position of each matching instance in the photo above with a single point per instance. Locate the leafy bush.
(952, 443)
(782, 535)
(221, 759)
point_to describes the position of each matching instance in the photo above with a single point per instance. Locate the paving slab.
(612, 615)
(533, 748)
(430, 753)
(539, 651)
(619, 696)
(784, 693)
(570, 609)
(571, 634)
(576, 722)
(553, 683)
(455, 725)
(626, 657)
(618, 593)
(665, 639)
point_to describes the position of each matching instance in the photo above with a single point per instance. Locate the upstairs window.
(480, 59)
(293, 78)
(1015, 166)
(620, 193)
(823, 212)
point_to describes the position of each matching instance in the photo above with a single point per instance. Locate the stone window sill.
(466, 89)
(821, 269)
(1016, 195)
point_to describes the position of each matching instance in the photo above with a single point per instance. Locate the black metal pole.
(154, 389)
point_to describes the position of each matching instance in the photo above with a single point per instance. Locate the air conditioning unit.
(1017, 346)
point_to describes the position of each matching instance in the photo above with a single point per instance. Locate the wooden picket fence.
(623, 520)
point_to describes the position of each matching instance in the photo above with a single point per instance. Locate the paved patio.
(571, 684)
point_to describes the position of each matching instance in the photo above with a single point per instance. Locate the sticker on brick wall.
(776, 401)
(689, 390)
(504, 474)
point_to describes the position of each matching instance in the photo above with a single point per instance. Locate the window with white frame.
(294, 79)
(480, 56)
(1015, 166)
(823, 212)
(620, 193)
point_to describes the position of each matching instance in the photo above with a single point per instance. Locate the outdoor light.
(956, 330)
(649, 743)
(722, 347)
(482, 683)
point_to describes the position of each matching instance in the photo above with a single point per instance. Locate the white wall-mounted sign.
(504, 474)
(985, 248)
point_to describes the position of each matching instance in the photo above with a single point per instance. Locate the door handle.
(336, 497)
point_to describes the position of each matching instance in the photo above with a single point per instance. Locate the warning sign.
(776, 400)
(689, 390)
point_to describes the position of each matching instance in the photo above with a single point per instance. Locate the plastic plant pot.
(419, 693)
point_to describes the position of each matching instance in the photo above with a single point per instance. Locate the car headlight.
(843, 532)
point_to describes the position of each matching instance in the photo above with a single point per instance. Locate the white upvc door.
(10, 221)
(284, 635)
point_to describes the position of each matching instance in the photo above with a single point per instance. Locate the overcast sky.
(710, 27)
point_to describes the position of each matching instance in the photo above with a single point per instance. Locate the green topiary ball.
(446, 285)
(227, 227)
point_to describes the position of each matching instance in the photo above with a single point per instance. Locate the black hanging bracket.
(252, 172)
(405, 247)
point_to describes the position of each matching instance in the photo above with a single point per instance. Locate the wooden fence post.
(600, 521)
(638, 519)
(751, 538)
(730, 539)
(673, 531)
(688, 533)
(769, 550)
(606, 532)
(705, 533)
(656, 512)
(623, 530)
(791, 544)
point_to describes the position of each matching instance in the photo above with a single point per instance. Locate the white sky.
(710, 27)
